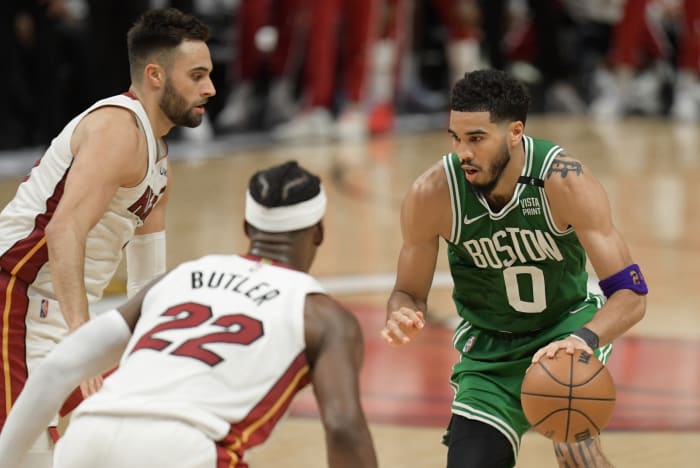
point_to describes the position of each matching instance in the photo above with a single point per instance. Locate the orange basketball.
(569, 398)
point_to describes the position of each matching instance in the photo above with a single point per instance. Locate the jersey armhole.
(455, 200)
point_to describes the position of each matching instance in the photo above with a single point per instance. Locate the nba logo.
(468, 345)
(44, 309)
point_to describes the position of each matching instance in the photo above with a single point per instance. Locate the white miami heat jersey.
(23, 250)
(220, 345)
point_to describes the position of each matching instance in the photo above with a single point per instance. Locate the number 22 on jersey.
(237, 329)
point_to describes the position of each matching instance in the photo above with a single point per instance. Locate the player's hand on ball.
(568, 344)
(91, 386)
(403, 325)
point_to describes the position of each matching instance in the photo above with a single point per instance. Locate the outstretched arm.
(63, 369)
(577, 199)
(335, 350)
(425, 215)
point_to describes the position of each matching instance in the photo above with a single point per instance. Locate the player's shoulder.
(566, 172)
(321, 309)
(430, 184)
(571, 188)
(113, 125)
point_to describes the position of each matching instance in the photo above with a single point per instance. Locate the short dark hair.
(493, 91)
(284, 185)
(159, 31)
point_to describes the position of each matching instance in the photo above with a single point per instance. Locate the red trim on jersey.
(131, 95)
(26, 257)
(53, 433)
(19, 266)
(255, 428)
(13, 297)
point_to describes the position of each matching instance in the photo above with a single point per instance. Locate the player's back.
(219, 344)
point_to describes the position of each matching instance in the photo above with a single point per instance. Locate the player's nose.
(208, 89)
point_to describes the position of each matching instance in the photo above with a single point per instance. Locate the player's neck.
(160, 124)
(280, 253)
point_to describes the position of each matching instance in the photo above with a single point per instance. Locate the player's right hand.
(91, 386)
(402, 325)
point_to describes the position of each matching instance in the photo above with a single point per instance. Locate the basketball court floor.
(651, 170)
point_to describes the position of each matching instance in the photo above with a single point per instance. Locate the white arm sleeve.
(62, 371)
(145, 260)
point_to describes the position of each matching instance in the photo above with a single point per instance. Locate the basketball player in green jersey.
(519, 216)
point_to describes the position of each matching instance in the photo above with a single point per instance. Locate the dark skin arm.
(334, 349)
(425, 217)
(577, 199)
(131, 309)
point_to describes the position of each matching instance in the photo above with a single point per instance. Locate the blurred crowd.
(347, 69)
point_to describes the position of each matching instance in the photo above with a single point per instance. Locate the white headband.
(285, 218)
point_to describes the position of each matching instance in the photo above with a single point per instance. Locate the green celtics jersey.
(513, 270)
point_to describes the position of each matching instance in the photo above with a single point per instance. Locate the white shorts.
(46, 327)
(127, 442)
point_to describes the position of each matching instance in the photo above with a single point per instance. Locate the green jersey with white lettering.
(514, 270)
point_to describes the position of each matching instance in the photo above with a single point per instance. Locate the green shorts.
(489, 374)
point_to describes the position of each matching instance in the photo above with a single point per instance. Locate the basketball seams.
(571, 374)
(549, 373)
(571, 392)
(569, 411)
(549, 415)
(570, 421)
(545, 395)
(600, 369)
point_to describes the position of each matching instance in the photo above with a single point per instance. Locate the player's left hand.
(568, 344)
(91, 386)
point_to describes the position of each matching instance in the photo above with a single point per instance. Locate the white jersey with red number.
(219, 345)
(23, 249)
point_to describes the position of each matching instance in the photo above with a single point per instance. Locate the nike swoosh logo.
(468, 220)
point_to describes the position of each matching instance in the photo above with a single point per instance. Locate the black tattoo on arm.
(564, 165)
(585, 454)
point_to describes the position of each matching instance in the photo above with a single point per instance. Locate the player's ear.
(515, 131)
(155, 75)
(318, 234)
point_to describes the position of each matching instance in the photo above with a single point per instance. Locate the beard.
(496, 169)
(176, 108)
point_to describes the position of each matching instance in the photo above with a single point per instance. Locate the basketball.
(569, 398)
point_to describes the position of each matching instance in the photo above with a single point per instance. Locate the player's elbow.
(57, 229)
(633, 305)
(638, 307)
(52, 230)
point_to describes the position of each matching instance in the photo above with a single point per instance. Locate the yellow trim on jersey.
(6, 344)
(234, 458)
(6, 322)
(286, 395)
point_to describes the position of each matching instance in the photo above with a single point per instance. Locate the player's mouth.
(470, 172)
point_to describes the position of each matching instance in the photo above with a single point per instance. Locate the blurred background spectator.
(300, 69)
(269, 36)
